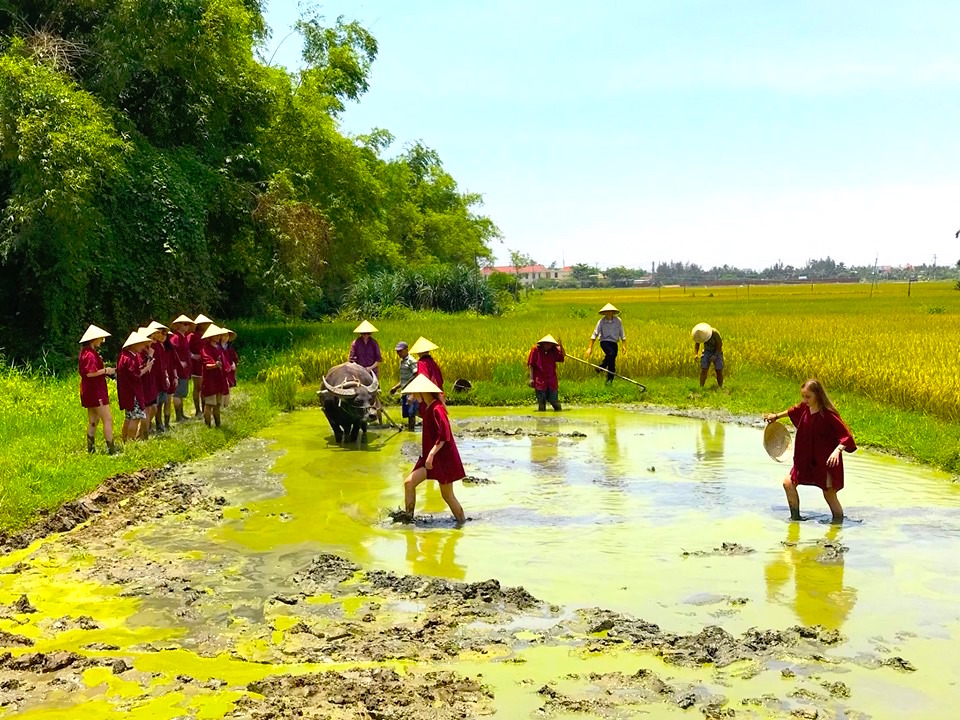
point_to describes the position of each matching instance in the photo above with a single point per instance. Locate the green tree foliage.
(150, 164)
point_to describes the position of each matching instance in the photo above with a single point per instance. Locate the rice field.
(885, 345)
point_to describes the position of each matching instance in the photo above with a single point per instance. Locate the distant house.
(531, 273)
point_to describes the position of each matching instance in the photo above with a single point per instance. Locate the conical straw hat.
(183, 319)
(135, 338)
(365, 327)
(422, 345)
(213, 331)
(701, 332)
(548, 339)
(421, 384)
(154, 326)
(776, 440)
(231, 335)
(93, 332)
(608, 308)
(201, 319)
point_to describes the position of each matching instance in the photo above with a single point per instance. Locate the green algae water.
(678, 521)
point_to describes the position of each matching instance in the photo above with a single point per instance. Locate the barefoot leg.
(446, 492)
(410, 488)
(793, 498)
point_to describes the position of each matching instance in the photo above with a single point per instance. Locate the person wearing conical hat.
(542, 361)
(426, 365)
(196, 342)
(93, 387)
(162, 369)
(149, 381)
(822, 438)
(181, 361)
(609, 331)
(231, 359)
(213, 382)
(364, 350)
(712, 343)
(439, 458)
(131, 368)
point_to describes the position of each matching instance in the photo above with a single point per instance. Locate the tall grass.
(446, 288)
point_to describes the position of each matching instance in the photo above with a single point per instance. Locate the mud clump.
(474, 480)
(41, 662)
(726, 549)
(24, 606)
(10, 640)
(486, 591)
(325, 571)
(487, 431)
(898, 663)
(375, 693)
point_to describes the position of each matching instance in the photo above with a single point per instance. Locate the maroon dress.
(181, 349)
(93, 390)
(149, 381)
(129, 382)
(213, 382)
(231, 358)
(447, 466)
(818, 435)
(426, 365)
(543, 363)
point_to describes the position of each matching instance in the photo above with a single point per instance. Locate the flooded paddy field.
(643, 566)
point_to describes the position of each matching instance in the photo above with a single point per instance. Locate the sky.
(626, 133)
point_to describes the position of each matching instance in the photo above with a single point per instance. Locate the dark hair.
(816, 387)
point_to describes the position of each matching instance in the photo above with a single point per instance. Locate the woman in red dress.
(213, 382)
(195, 344)
(821, 438)
(426, 365)
(130, 372)
(93, 387)
(439, 457)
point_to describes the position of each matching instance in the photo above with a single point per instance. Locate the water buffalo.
(350, 400)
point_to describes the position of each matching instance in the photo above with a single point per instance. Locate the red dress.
(181, 351)
(93, 390)
(447, 466)
(195, 343)
(149, 381)
(544, 366)
(161, 368)
(213, 382)
(818, 435)
(426, 365)
(129, 384)
(231, 358)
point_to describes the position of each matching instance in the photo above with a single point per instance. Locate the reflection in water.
(819, 596)
(433, 553)
(545, 449)
(710, 470)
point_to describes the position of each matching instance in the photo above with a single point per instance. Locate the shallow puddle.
(677, 521)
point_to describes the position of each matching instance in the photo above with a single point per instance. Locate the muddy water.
(680, 522)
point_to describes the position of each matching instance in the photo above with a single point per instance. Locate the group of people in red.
(153, 375)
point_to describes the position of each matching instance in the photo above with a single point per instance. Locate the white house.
(531, 273)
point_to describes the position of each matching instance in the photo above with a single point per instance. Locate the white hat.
(548, 339)
(135, 338)
(213, 331)
(422, 345)
(93, 332)
(365, 327)
(201, 319)
(701, 332)
(421, 384)
(183, 319)
(231, 335)
(609, 308)
(154, 326)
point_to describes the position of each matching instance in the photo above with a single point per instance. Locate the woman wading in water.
(439, 458)
(821, 438)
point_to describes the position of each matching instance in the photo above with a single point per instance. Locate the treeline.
(152, 163)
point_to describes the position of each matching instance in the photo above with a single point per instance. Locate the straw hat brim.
(701, 332)
(608, 308)
(421, 384)
(93, 333)
(202, 319)
(548, 339)
(776, 440)
(422, 345)
(135, 338)
(184, 320)
(212, 332)
(365, 327)
(154, 326)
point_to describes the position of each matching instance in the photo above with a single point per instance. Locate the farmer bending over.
(712, 351)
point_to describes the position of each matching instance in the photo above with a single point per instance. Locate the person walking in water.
(609, 332)
(426, 365)
(439, 458)
(712, 343)
(93, 387)
(364, 350)
(542, 361)
(821, 438)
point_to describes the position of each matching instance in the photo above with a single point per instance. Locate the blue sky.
(631, 132)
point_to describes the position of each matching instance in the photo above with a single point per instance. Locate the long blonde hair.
(816, 387)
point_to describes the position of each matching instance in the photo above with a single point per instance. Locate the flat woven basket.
(776, 440)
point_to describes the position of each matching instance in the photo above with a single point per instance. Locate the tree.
(586, 275)
(519, 261)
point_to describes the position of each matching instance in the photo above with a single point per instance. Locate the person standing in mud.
(408, 369)
(439, 458)
(426, 365)
(130, 371)
(822, 437)
(609, 331)
(542, 361)
(712, 343)
(93, 388)
(180, 359)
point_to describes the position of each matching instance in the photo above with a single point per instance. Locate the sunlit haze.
(717, 133)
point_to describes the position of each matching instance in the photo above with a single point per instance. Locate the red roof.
(511, 270)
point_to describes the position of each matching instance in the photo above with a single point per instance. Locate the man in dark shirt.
(712, 351)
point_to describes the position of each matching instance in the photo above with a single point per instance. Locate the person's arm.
(444, 435)
(561, 352)
(433, 453)
(530, 361)
(845, 440)
(773, 417)
(696, 349)
(376, 364)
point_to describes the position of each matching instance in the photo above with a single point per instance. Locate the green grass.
(889, 361)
